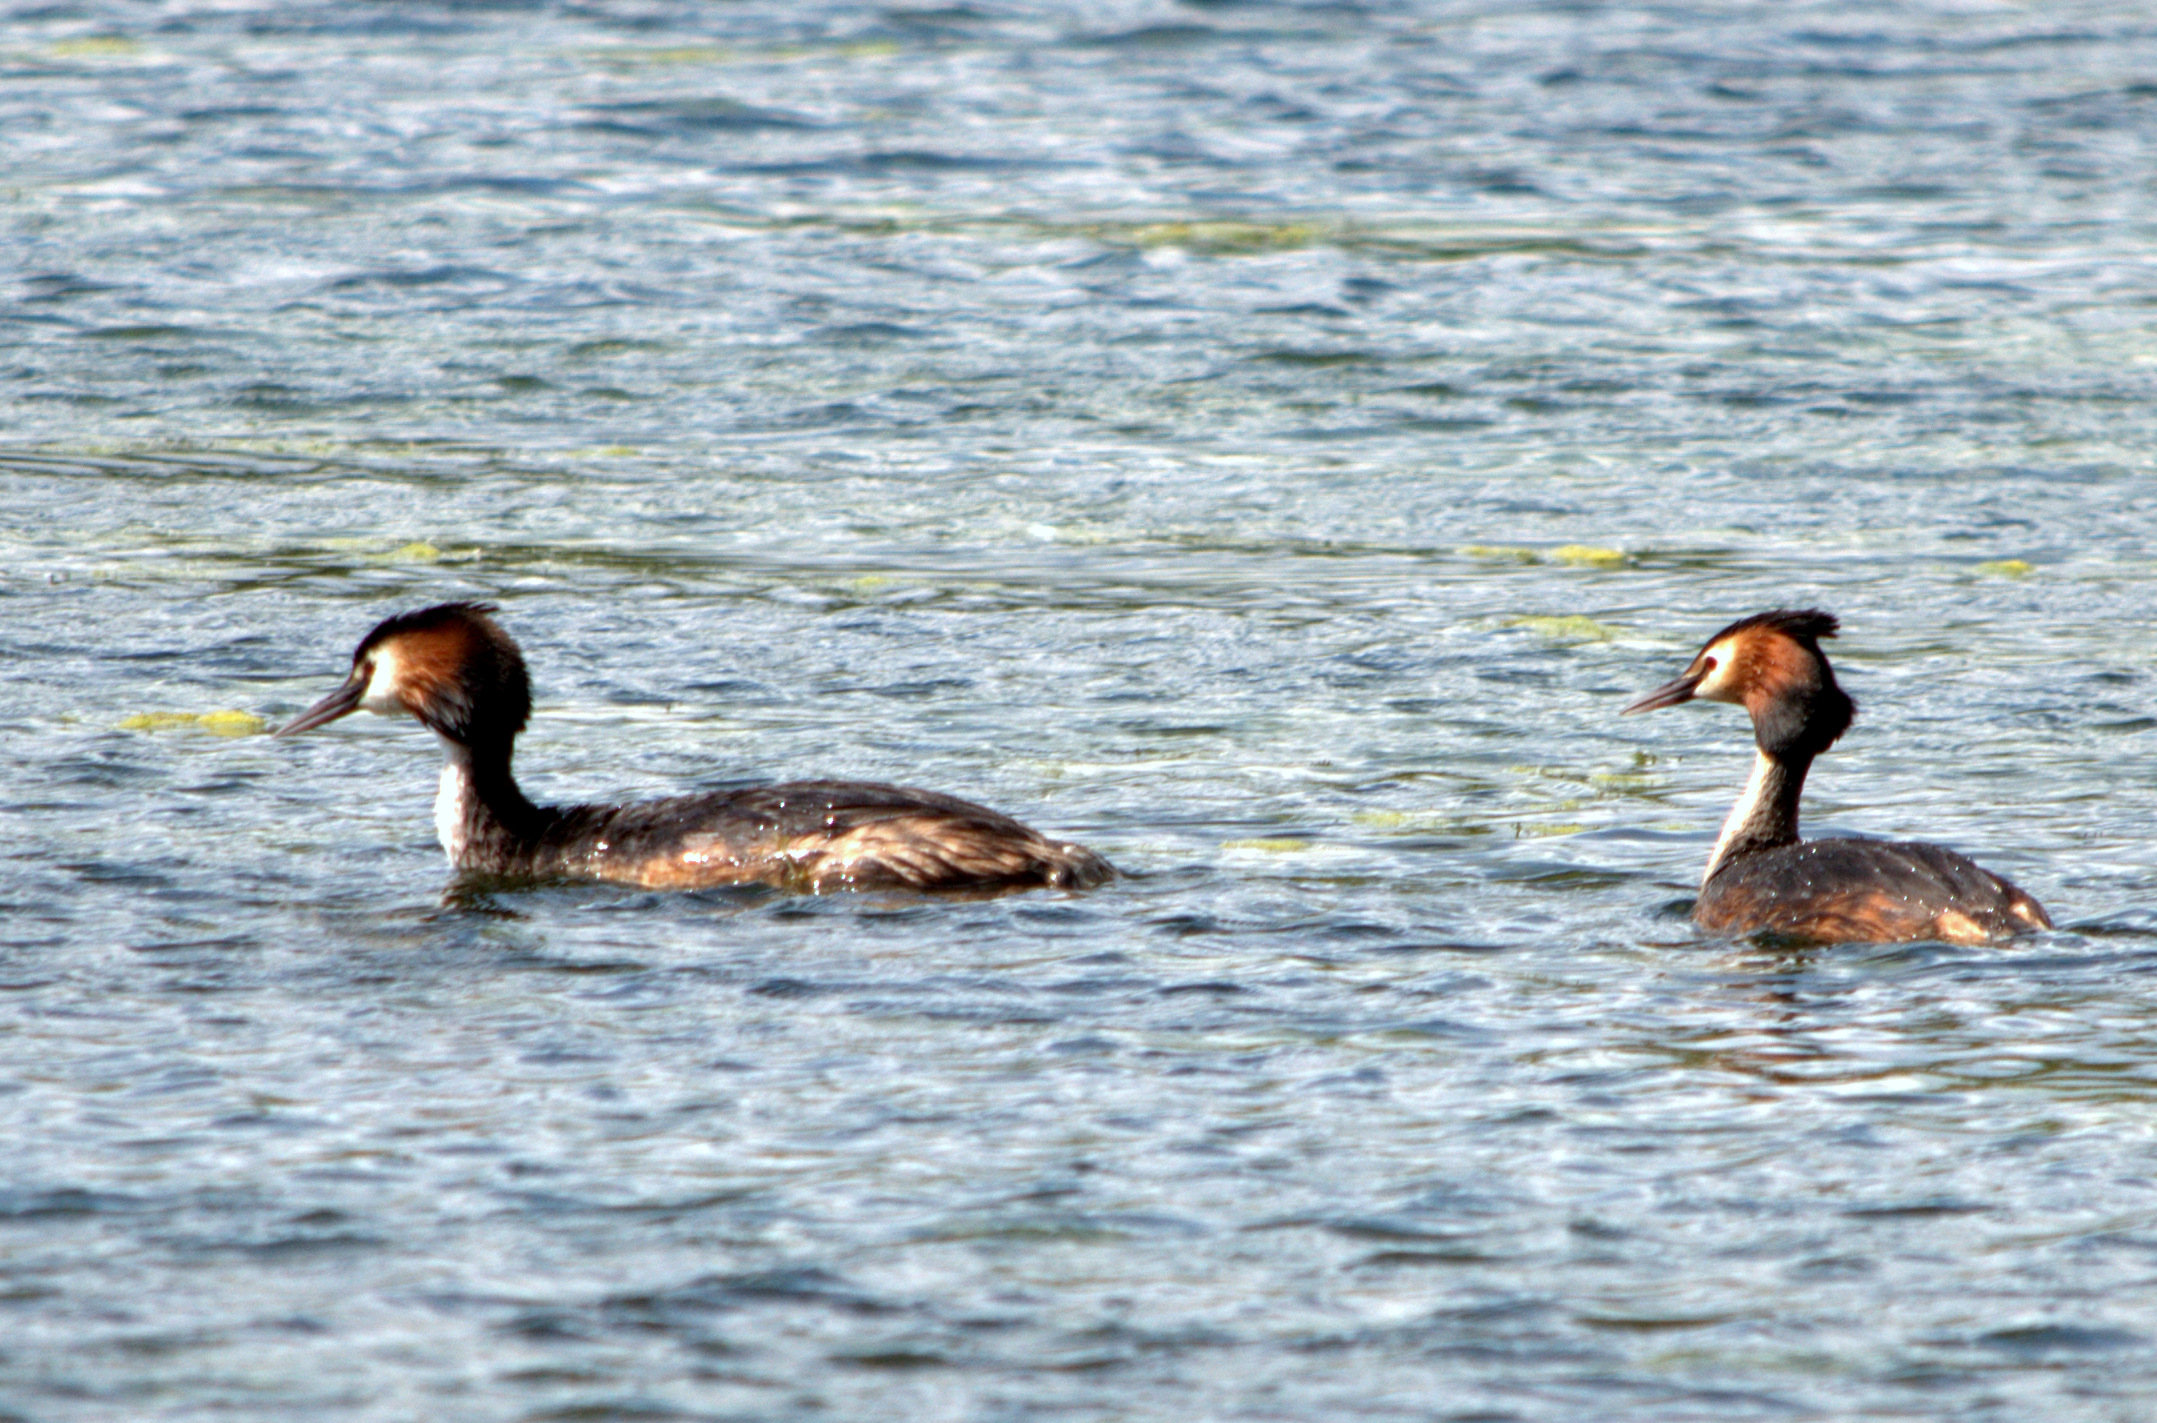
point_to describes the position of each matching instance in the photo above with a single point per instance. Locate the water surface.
(1267, 442)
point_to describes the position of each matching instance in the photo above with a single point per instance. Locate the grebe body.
(1761, 877)
(455, 670)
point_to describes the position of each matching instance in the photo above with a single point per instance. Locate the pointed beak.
(342, 702)
(1677, 689)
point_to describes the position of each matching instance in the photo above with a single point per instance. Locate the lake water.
(1267, 442)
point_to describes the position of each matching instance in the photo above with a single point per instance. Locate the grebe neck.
(1766, 814)
(479, 813)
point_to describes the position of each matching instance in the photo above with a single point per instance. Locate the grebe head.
(448, 665)
(1771, 665)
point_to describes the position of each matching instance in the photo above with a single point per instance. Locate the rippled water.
(1266, 442)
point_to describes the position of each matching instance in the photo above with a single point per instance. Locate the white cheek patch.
(381, 694)
(1715, 687)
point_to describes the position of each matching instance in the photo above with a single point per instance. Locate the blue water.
(1266, 442)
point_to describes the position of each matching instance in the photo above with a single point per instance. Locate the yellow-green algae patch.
(677, 54)
(1570, 627)
(2008, 568)
(1421, 821)
(1601, 785)
(630, 56)
(1573, 555)
(1217, 235)
(1625, 782)
(217, 723)
(371, 551)
(1528, 831)
(1272, 847)
(95, 46)
(415, 552)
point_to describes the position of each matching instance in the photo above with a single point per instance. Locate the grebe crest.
(1761, 878)
(455, 670)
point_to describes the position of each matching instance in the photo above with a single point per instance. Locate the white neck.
(453, 801)
(1766, 808)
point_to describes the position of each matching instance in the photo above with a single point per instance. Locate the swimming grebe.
(1762, 878)
(461, 675)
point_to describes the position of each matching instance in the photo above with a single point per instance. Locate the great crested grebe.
(1762, 878)
(461, 675)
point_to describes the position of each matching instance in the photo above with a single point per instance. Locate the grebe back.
(1761, 876)
(455, 670)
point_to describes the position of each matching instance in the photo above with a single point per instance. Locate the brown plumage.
(455, 670)
(811, 835)
(1871, 891)
(1761, 877)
